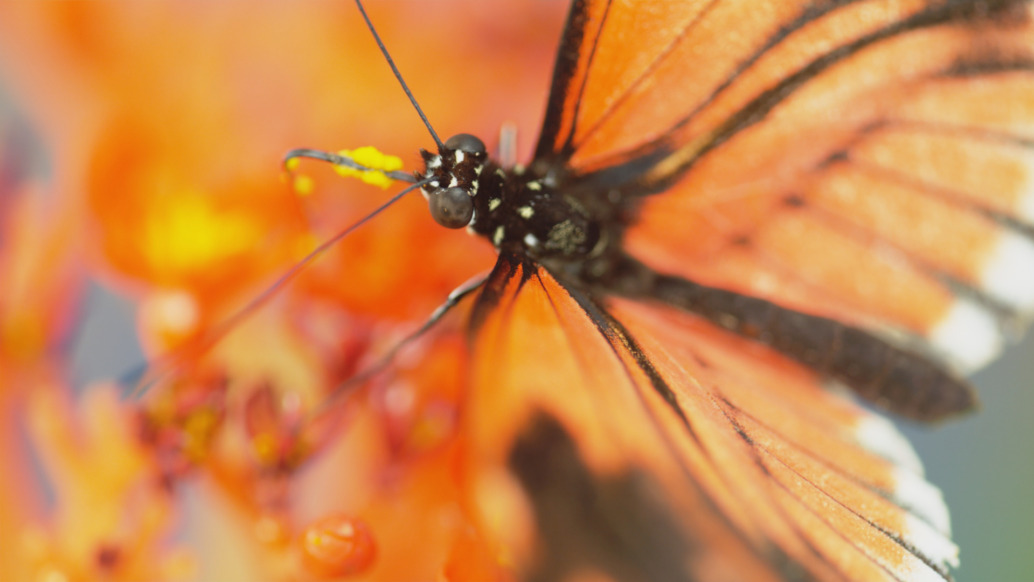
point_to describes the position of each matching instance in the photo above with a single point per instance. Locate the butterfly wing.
(869, 161)
(865, 161)
(612, 442)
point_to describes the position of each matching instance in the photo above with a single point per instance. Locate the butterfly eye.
(451, 207)
(465, 142)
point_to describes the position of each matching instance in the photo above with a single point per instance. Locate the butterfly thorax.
(517, 210)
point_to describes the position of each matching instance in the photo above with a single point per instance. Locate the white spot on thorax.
(526, 212)
(459, 156)
(497, 236)
(494, 203)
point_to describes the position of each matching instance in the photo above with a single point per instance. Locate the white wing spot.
(1025, 206)
(927, 527)
(932, 544)
(526, 212)
(1009, 276)
(968, 334)
(877, 435)
(921, 498)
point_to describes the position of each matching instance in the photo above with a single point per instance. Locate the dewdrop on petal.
(370, 157)
(337, 546)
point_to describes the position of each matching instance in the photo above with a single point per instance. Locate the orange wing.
(642, 443)
(870, 161)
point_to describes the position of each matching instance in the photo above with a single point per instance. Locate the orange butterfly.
(734, 210)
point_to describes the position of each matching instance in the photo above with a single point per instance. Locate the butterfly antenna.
(220, 331)
(398, 75)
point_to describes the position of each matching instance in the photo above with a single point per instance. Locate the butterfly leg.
(385, 360)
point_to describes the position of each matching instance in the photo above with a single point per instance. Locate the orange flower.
(164, 124)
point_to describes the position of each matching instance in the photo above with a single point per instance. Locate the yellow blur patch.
(371, 158)
(199, 430)
(303, 185)
(185, 233)
(265, 447)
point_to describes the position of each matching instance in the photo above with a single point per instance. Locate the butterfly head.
(512, 208)
(454, 174)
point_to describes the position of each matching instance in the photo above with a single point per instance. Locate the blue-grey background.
(985, 466)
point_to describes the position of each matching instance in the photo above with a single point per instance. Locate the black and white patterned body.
(520, 210)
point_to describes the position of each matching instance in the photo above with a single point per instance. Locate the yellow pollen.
(378, 163)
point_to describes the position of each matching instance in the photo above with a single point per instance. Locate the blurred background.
(90, 92)
(984, 464)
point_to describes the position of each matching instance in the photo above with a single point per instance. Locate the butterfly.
(735, 215)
